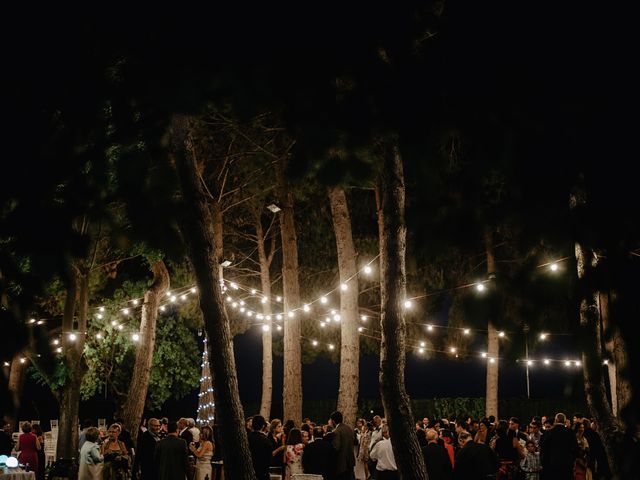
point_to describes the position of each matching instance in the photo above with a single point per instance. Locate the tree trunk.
(590, 326)
(16, 383)
(218, 237)
(196, 226)
(397, 406)
(350, 342)
(267, 353)
(620, 365)
(133, 407)
(493, 341)
(292, 391)
(73, 349)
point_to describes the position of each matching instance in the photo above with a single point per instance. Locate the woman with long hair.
(581, 469)
(278, 445)
(37, 430)
(293, 454)
(203, 453)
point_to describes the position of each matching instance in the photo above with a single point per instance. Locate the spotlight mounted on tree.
(274, 208)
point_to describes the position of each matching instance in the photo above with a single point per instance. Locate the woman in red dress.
(28, 445)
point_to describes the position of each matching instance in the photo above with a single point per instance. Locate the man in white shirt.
(386, 468)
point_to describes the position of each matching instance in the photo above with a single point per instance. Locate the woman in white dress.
(203, 454)
(293, 454)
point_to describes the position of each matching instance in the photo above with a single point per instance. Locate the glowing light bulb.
(120, 327)
(466, 331)
(553, 267)
(480, 287)
(408, 304)
(125, 311)
(32, 320)
(546, 361)
(99, 316)
(278, 317)
(343, 287)
(606, 362)
(279, 327)
(360, 329)
(183, 297)
(136, 301)
(567, 363)
(529, 362)
(543, 336)
(242, 309)
(268, 317)
(265, 328)
(242, 302)
(40, 322)
(22, 360)
(492, 360)
(56, 341)
(322, 324)
(323, 300)
(233, 285)
(421, 350)
(98, 336)
(306, 308)
(336, 317)
(314, 343)
(234, 305)
(291, 314)
(364, 318)
(260, 316)
(367, 269)
(59, 349)
(135, 337)
(423, 344)
(249, 313)
(253, 291)
(452, 349)
(229, 299)
(101, 309)
(162, 308)
(430, 328)
(577, 363)
(194, 289)
(484, 355)
(263, 300)
(278, 298)
(6, 364)
(501, 334)
(72, 337)
(331, 346)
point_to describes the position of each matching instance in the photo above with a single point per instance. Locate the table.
(16, 474)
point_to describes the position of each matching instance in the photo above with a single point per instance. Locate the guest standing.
(293, 455)
(146, 448)
(116, 456)
(203, 454)
(260, 447)
(37, 430)
(28, 446)
(343, 441)
(90, 457)
(171, 455)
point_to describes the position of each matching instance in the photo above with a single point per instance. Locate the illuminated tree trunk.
(133, 407)
(16, 383)
(196, 226)
(493, 344)
(267, 354)
(73, 349)
(590, 325)
(292, 391)
(397, 406)
(350, 345)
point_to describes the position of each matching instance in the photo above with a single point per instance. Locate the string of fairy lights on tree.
(206, 402)
(236, 297)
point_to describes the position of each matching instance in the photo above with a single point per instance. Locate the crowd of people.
(462, 448)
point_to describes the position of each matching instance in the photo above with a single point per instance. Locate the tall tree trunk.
(73, 349)
(493, 341)
(218, 237)
(196, 226)
(350, 344)
(603, 303)
(292, 391)
(397, 406)
(133, 407)
(16, 383)
(267, 353)
(590, 327)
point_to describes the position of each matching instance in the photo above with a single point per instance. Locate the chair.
(102, 423)
(35, 422)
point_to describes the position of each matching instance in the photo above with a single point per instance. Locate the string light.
(323, 300)
(194, 289)
(466, 331)
(501, 334)
(364, 318)
(162, 308)
(32, 321)
(135, 337)
(22, 360)
(114, 323)
(314, 343)
(279, 327)
(253, 291)
(265, 328)
(136, 301)
(452, 349)
(430, 328)
(344, 287)
(278, 298)
(360, 329)
(480, 287)
(99, 316)
(291, 314)
(483, 354)
(543, 336)
(72, 337)
(331, 346)
(173, 299)
(408, 304)
(546, 361)
(7, 364)
(367, 269)
(183, 297)
(98, 336)
(101, 309)
(120, 327)
(553, 267)
(40, 322)
(306, 308)
(125, 311)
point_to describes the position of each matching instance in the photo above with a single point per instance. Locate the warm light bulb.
(135, 337)
(452, 349)
(322, 324)
(343, 287)
(606, 362)
(183, 297)
(466, 331)
(480, 287)
(249, 313)
(553, 267)
(263, 300)
(59, 349)
(233, 285)
(501, 334)
(99, 316)
(430, 328)
(125, 311)
(291, 314)
(364, 318)
(242, 302)
(423, 344)
(136, 301)
(484, 355)
(407, 304)
(279, 327)
(253, 291)
(260, 316)
(567, 363)
(278, 317)
(32, 320)
(546, 361)
(577, 363)
(265, 328)
(529, 362)
(242, 309)
(323, 300)
(22, 360)
(306, 308)
(56, 342)
(162, 308)
(331, 346)
(194, 289)
(314, 343)
(543, 336)
(40, 322)
(98, 336)
(278, 298)
(336, 317)
(72, 337)
(492, 360)
(234, 305)
(101, 309)
(421, 350)
(367, 269)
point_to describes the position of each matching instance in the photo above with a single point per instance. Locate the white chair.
(50, 444)
(54, 426)
(102, 423)
(35, 422)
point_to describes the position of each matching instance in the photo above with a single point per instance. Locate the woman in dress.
(116, 456)
(90, 457)
(363, 451)
(37, 430)
(203, 454)
(581, 469)
(293, 455)
(28, 446)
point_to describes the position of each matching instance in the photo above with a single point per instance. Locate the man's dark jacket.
(144, 455)
(171, 458)
(475, 461)
(437, 461)
(558, 452)
(260, 447)
(319, 458)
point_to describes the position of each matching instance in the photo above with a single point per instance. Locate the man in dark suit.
(319, 456)
(171, 455)
(146, 448)
(260, 447)
(474, 461)
(343, 440)
(184, 432)
(6, 439)
(558, 451)
(436, 458)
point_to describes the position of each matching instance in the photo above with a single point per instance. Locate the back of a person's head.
(294, 437)
(92, 434)
(336, 417)
(492, 419)
(318, 433)
(502, 427)
(288, 425)
(464, 437)
(191, 422)
(431, 435)
(26, 427)
(37, 429)
(258, 423)
(515, 420)
(561, 418)
(172, 427)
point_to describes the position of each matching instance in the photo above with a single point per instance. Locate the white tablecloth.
(16, 474)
